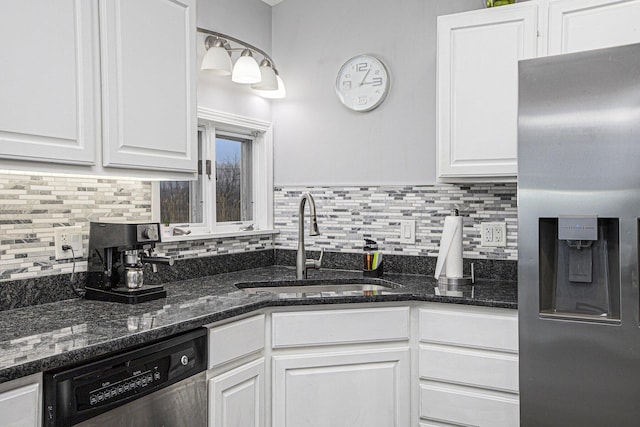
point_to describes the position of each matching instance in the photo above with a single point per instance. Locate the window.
(234, 202)
(233, 189)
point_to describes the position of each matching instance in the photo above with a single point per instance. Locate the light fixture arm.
(240, 42)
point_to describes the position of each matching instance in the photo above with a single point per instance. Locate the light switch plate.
(71, 236)
(408, 231)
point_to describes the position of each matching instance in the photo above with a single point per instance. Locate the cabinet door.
(236, 398)
(366, 388)
(20, 407)
(478, 55)
(578, 25)
(148, 72)
(49, 81)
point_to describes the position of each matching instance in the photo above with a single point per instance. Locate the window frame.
(261, 133)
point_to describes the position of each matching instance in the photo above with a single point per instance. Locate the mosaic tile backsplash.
(347, 215)
(32, 205)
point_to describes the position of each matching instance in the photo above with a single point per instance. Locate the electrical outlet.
(71, 236)
(408, 231)
(494, 234)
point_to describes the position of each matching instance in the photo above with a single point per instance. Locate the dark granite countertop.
(48, 336)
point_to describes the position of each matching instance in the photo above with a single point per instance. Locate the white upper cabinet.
(49, 91)
(478, 55)
(478, 76)
(149, 91)
(578, 25)
(95, 86)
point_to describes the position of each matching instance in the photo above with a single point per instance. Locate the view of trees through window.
(174, 207)
(228, 180)
(182, 202)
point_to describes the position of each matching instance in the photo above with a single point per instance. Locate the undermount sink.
(322, 287)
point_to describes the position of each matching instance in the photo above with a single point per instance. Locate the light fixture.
(217, 59)
(263, 78)
(268, 77)
(273, 94)
(246, 70)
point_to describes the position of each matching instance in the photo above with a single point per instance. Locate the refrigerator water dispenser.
(579, 277)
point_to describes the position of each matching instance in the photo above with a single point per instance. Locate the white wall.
(317, 140)
(249, 21)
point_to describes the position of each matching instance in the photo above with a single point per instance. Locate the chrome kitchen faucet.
(302, 263)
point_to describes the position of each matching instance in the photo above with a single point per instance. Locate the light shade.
(269, 81)
(273, 94)
(246, 70)
(217, 59)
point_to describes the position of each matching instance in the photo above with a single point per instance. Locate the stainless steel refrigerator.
(579, 227)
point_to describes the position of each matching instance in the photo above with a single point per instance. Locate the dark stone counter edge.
(130, 342)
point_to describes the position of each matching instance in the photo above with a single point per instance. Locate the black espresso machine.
(118, 253)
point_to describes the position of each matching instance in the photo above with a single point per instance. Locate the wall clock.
(362, 83)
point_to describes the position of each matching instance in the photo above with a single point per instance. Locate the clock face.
(362, 83)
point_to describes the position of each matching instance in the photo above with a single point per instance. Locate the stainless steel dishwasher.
(158, 385)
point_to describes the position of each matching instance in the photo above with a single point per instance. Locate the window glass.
(181, 201)
(233, 179)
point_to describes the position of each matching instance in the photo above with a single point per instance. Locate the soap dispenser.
(371, 259)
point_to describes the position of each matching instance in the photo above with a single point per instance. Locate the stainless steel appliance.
(162, 384)
(579, 228)
(117, 254)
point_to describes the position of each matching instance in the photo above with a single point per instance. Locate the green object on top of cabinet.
(492, 3)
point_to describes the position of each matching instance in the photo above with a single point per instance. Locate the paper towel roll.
(450, 255)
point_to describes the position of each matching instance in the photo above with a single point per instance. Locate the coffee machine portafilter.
(117, 255)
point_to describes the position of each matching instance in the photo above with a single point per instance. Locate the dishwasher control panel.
(80, 393)
(112, 391)
(98, 390)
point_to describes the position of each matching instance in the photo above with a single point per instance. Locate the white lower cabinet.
(236, 375)
(377, 365)
(468, 366)
(341, 367)
(20, 402)
(365, 388)
(236, 398)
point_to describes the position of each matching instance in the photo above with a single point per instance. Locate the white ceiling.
(272, 2)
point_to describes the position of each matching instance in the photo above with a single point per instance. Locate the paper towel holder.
(451, 282)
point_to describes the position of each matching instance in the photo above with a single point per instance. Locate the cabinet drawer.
(234, 340)
(468, 406)
(340, 326)
(480, 327)
(493, 370)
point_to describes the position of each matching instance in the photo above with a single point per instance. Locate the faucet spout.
(302, 263)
